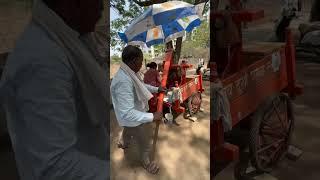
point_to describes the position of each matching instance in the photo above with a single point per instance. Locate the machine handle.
(166, 68)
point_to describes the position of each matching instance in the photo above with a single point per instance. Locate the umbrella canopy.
(162, 23)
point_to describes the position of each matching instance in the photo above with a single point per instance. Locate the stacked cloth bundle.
(221, 106)
(308, 48)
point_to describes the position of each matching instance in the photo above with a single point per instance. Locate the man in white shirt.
(54, 93)
(131, 105)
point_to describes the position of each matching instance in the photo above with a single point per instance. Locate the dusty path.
(182, 152)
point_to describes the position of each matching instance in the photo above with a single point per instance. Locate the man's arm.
(47, 111)
(123, 101)
(152, 89)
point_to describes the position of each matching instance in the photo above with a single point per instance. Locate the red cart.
(190, 88)
(260, 91)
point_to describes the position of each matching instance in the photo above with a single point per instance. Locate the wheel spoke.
(286, 116)
(278, 114)
(272, 133)
(274, 154)
(195, 103)
(269, 146)
(274, 129)
(270, 127)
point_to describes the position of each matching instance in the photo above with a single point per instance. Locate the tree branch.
(149, 2)
(200, 1)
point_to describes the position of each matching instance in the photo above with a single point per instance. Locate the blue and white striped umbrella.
(161, 23)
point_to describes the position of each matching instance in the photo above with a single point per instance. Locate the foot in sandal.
(151, 167)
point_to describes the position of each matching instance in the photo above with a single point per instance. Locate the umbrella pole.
(166, 68)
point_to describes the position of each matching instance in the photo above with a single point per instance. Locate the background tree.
(197, 43)
(130, 9)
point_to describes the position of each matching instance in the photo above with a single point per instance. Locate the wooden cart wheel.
(271, 131)
(194, 103)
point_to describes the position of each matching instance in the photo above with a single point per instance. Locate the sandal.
(121, 145)
(151, 167)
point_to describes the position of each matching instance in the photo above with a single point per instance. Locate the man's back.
(129, 111)
(47, 122)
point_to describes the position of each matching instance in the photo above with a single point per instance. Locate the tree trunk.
(178, 50)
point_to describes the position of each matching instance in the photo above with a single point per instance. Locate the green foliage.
(159, 49)
(197, 42)
(115, 58)
(127, 11)
(189, 50)
(201, 35)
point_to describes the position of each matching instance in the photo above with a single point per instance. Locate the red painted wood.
(244, 103)
(189, 87)
(167, 62)
(200, 86)
(291, 63)
(217, 134)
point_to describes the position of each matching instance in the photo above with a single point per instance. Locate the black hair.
(152, 65)
(130, 53)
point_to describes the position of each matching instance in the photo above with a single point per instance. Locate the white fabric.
(140, 27)
(138, 43)
(130, 112)
(199, 9)
(312, 38)
(184, 22)
(141, 17)
(155, 33)
(174, 95)
(145, 21)
(221, 108)
(141, 91)
(170, 5)
(175, 36)
(83, 58)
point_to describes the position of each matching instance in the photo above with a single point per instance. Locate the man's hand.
(162, 89)
(157, 116)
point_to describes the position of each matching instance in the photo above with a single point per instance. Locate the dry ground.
(183, 152)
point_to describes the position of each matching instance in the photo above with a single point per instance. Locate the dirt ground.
(183, 152)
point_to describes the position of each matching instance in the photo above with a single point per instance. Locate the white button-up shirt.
(129, 111)
(47, 120)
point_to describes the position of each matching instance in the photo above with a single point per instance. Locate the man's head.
(152, 65)
(133, 57)
(80, 15)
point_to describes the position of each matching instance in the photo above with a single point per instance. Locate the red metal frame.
(188, 85)
(166, 67)
(245, 88)
(244, 101)
(238, 17)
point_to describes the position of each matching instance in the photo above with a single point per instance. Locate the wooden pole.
(166, 67)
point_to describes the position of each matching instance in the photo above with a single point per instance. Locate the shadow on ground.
(183, 152)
